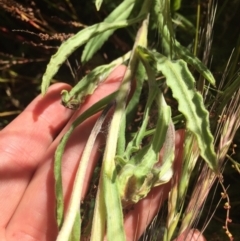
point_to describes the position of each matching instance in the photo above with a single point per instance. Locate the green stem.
(197, 28)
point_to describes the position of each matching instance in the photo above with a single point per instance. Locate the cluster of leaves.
(43, 35)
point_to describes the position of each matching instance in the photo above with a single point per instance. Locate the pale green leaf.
(186, 55)
(120, 13)
(99, 215)
(86, 86)
(70, 45)
(98, 4)
(115, 228)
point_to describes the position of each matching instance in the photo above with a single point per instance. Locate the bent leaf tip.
(44, 85)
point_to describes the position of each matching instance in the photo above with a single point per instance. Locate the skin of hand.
(27, 147)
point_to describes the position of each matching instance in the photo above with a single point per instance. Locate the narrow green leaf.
(76, 230)
(131, 109)
(99, 215)
(115, 230)
(98, 4)
(172, 227)
(86, 86)
(59, 153)
(182, 22)
(190, 102)
(190, 159)
(70, 45)
(186, 55)
(120, 13)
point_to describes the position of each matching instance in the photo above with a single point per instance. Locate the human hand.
(27, 147)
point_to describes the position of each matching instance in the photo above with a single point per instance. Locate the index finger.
(23, 143)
